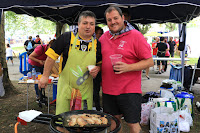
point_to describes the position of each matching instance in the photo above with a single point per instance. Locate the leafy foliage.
(144, 28)
(27, 25)
(171, 26)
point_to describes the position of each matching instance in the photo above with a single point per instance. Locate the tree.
(170, 26)
(6, 80)
(144, 28)
(27, 25)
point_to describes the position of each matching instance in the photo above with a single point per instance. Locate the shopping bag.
(163, 120)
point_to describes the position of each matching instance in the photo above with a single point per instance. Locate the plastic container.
(188, 100)
(169, 89)
(184, 95)
(33, 74)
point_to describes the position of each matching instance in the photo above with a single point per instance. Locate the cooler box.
(185, 99)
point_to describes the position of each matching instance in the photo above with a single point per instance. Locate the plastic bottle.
(33, 74)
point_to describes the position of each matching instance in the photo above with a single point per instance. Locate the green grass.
(191, 62)
(18, 50)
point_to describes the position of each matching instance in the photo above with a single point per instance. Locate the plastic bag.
(145, 113)
(2, 91)
(163, 120)
(166, 94)
(185, 120)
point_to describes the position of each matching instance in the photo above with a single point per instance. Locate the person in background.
(155, 50)
(127, 16)
(172, 46)
(78, 49)
(122, 89)
(38, 41)
(29, 44)
(37, 59)
(97, 80)
(162, 47)
(9, 54)
(187, 49)
(167, 54)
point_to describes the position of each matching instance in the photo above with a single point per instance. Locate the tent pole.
(182, 38)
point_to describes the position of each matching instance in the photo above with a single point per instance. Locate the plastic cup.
(90, 67)
(115, 58)
(39, 76)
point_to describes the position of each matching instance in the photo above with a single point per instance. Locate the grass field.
(191, 62)
(18, 50)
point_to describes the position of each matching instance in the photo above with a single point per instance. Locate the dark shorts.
(129, 105)
(160, 55)
(172, 53)
(10, 57)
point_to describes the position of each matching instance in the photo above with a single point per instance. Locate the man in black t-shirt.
(29, 44)
(161, 53)
(172, 46)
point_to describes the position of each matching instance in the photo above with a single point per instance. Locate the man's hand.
(121, 67)
(43, 82)
(41, 62)
(94, 71)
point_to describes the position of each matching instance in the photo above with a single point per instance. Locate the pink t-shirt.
(167, 53)
(40, 51)
(134, 48)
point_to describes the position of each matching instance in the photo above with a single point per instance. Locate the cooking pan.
(61, 120)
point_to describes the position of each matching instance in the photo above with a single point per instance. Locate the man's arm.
(43, 82)
(143, 64)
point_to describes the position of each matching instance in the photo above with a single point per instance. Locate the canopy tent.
(173, 34)
(143, 11)
(153, 34)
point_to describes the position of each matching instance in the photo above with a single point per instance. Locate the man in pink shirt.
(122, 89)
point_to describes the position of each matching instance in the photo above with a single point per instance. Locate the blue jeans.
(38, 69)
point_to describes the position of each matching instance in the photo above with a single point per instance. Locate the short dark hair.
(111, 8)
(86, 14)
(162, 38)
(126, 10)
(37, 36)
(8, 45)
(98, 28)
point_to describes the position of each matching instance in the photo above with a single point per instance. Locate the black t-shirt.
(27, 41)
(171, 45)
(62, 46)
(161, 46)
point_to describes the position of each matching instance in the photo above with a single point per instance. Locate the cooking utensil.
(61, 120)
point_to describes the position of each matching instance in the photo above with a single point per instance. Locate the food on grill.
(104, 120)
(73, 122)
(81, 122)
(96, 120)
(87, 119)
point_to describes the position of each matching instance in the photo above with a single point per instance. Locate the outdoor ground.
(15, 102)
